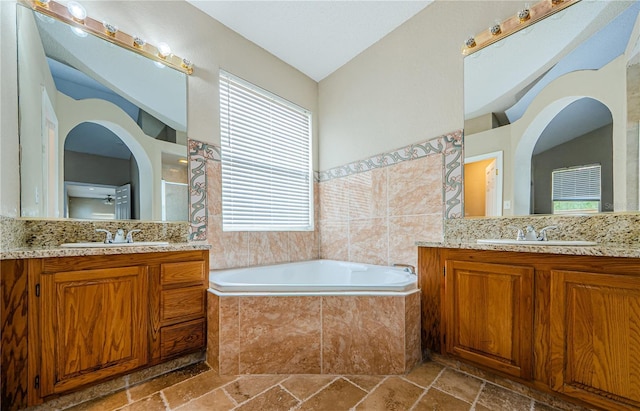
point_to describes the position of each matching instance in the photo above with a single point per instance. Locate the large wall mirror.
(103, 130)
(552, 115)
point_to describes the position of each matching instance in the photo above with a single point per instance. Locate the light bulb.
(77, 11)
(164, 50)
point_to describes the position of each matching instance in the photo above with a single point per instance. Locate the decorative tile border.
(448, 145)
(199, 153)
(452, 192)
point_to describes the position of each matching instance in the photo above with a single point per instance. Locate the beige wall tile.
(413, 352)
(415, 187)
(404, 231)
(280, 335)
(229, 336)
(228, 249)
(368, 194)
(270, 247)
(369, 241)
(357, 339)
(334, 201)
(334, 240)
(214, 188)
(303, 245)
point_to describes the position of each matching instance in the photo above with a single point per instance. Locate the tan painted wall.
(405, 88)
(475, 188)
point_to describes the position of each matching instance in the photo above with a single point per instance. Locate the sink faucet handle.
(543, 232)
(130, 235)
(109, 237)
(520, 233)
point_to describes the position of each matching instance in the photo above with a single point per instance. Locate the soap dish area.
(100, 244)
(557, 243)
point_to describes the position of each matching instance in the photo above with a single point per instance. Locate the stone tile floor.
(430, 386)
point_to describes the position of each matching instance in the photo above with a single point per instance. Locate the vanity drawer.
(190, 272)
(182, 303)
(182, 338)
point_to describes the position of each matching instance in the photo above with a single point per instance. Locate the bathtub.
(316, 317)
(319, 277)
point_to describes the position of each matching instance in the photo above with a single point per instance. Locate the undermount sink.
(101, 244)
(509, 241)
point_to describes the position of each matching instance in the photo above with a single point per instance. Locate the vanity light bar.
(95, 27)
(515, 23)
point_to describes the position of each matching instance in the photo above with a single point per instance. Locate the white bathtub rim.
(224, 281)
(313, 293)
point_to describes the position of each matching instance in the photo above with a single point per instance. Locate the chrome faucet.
(109, 237)
(408, 268)
(119, 236)
(529, 233)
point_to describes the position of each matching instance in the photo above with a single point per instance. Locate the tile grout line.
(425, 390)
(164, 400)
(321, 335)
(226, 394)
(321, 388)
(370, 392)
(497, 385)
(279, 385)
(475, 401)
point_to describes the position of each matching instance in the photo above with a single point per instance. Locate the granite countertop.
(46, 252)
(611, 250)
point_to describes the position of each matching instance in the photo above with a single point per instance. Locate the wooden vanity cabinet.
(490, 315)
(559, 323)
(93, 326)
(595, 337)
(96, 317)
(182, 308)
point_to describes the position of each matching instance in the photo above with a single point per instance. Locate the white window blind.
(267, 180)
(576, 184)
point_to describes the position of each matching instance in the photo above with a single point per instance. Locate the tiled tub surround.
(374, 210)
(238, 248)
(351, 334)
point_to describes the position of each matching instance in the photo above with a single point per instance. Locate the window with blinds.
(576, 189)
(267, 182)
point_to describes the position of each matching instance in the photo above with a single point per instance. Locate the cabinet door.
(595, 337)
(489, 314)
(94, 325)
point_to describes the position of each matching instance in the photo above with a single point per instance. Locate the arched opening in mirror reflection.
(572, 161)
(101, 174)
